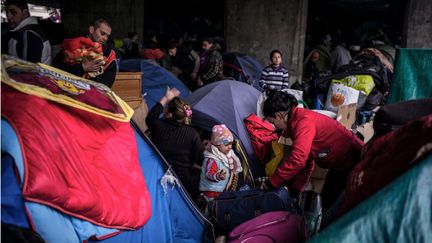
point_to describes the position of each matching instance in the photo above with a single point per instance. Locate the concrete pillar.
(257, 27)
(123, 15)
(418, 24)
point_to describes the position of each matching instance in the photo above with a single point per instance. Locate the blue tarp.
(249, 67)
(174, 218)
(228, 102)
(400, 212)
(12, 203)
(155, 79)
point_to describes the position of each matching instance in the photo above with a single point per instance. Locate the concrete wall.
(257, 27)
(418, 24)
(123, 15)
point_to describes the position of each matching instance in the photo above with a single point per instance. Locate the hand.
(200, 82)
(267, 186)
(194, 75)
(221, 175)
(263, 186)
(171, 93)
(92, 66)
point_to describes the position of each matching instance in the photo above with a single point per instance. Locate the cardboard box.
(140, 115)
(347, 115)
(318, 178)
(127, 85)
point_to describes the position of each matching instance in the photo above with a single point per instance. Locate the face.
(278, 121)
(172, 52)
(225, 148)
(206, 46)
(101, 33)
(15, 15)
(276, 59)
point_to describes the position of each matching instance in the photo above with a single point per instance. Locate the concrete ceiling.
(49, 3)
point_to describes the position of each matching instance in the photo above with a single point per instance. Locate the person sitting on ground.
(274, 76)
(185, 59)
(220, 168)
(102, 71)
(315, 138)
(212, 68)
(25, 39)
(178, 142)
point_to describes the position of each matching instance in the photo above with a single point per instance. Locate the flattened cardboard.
(347, 115)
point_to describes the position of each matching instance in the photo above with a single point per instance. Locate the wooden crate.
(127, 85)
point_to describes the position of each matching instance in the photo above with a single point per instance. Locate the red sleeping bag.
(78, 162)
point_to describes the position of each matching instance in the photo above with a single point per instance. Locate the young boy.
(220, 166)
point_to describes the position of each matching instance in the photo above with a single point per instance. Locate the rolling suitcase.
(272, 227)
(231, 209)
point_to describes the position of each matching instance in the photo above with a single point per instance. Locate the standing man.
(212, 68)
(98, 32)
(25, 39)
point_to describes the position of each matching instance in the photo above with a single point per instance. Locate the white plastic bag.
(339, 94)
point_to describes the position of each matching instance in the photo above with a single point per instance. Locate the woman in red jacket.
(315, 139)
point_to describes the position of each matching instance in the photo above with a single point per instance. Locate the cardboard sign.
(347, 115)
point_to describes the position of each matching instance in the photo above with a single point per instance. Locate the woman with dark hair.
(212, 68)
(179, 143)
(314, 138)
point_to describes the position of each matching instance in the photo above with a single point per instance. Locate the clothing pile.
(81, 49)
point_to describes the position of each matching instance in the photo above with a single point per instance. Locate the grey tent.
(228, 102)
(242, 68)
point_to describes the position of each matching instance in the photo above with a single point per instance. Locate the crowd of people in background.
(193, 58)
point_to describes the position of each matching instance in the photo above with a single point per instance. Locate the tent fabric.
(228, 102)
(62, 228)
(400, 212)
(412, 78)
(174, 218)
(250, 68)
(155, 80)
(74, 165)
(12, 204)
(11, 145)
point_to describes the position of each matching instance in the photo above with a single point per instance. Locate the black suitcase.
(392, 116)
(231, 209)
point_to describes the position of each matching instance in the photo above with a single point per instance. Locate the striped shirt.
(274, 78)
